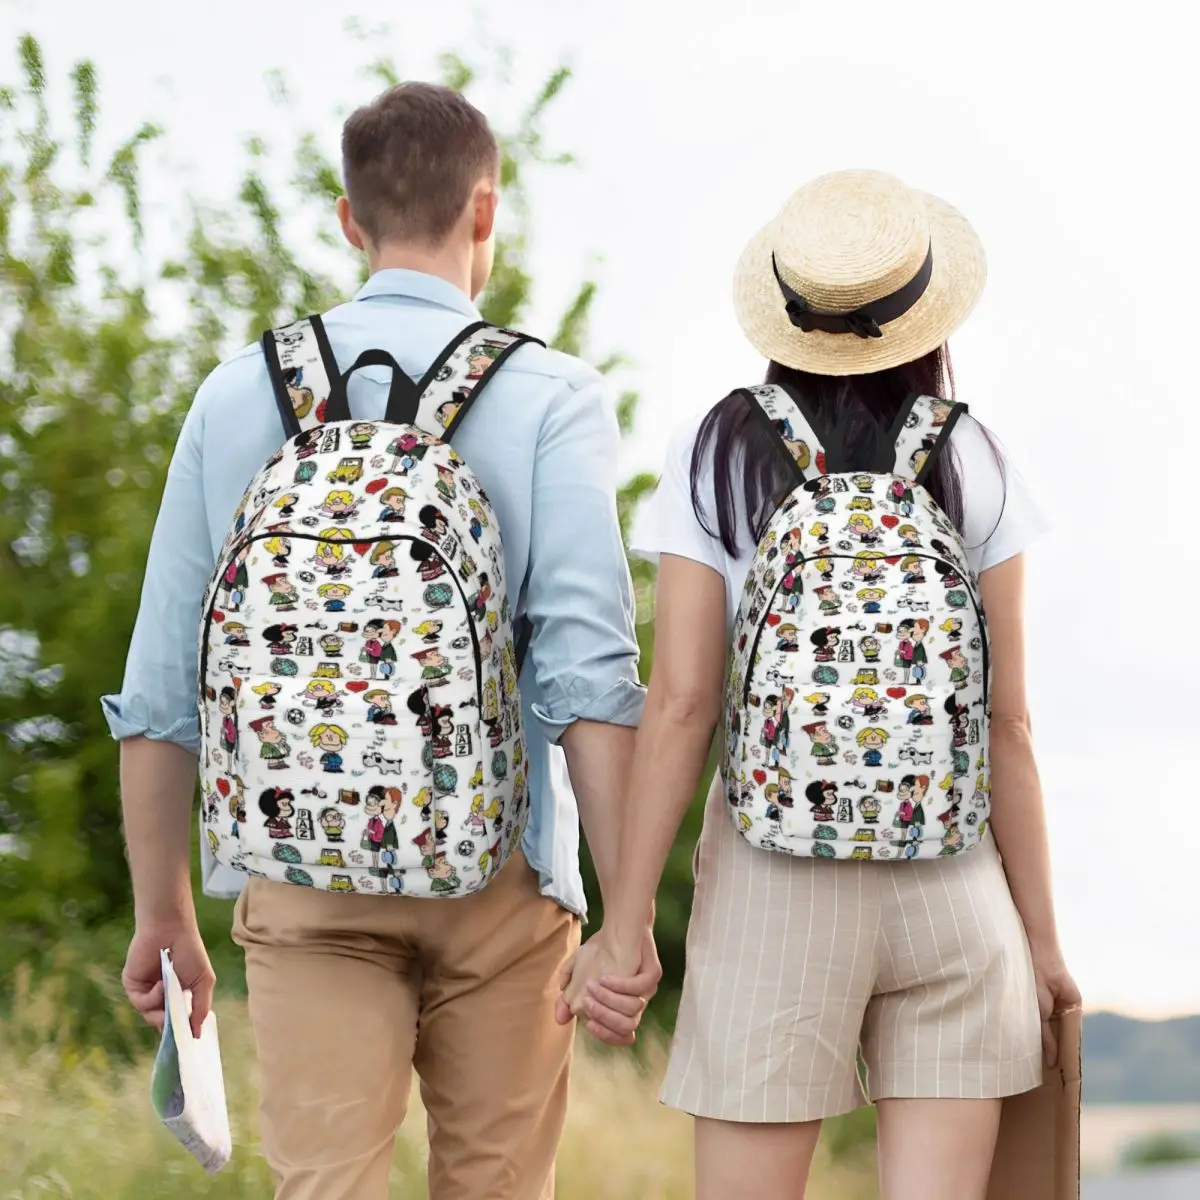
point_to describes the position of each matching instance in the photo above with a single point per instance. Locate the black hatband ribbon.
(864, 321)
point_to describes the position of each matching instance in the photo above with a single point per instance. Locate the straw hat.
(857, 273)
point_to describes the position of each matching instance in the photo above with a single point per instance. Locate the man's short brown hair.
(410, 159)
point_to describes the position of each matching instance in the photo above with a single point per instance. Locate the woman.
(933, 965)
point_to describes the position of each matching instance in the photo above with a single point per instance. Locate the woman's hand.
(609, 987)
(1056, 992)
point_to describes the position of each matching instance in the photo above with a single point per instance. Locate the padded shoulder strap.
(924, 428)
(302, 369)
(460, 373)
(792, 429)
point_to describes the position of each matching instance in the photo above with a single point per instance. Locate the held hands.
(142, 977)
(608, 988)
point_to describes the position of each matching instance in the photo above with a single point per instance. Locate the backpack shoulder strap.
(451, 386)
(460, 373)
(789, 425)
(922, 431)
(302, 371)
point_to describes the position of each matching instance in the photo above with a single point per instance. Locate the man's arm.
(156, 719)
(157, 782)
(579, 598)
(598, 758)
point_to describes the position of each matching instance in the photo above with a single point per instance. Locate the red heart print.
(893, 560)
(223, 786)
(821, 461)
(890, 521)
(356, 685)
(760, 777)
(218, 616)
(773, 619)
(376, 485)
(742, 642)
(360, 548)
(897, 693)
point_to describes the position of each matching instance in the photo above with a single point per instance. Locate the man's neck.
(449, 263)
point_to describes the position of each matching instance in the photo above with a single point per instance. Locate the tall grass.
(76, 1123)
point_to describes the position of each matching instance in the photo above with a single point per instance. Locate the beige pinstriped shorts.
(795, 965)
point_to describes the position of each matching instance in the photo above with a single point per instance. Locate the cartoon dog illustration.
(374, 761)
(386, 603)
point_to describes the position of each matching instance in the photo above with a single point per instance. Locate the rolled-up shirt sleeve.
(579, 596)
(158, 697)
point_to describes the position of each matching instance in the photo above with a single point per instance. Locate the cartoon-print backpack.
(856, 715)
(359, 710)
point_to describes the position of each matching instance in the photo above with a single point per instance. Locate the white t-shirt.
(1000, 517)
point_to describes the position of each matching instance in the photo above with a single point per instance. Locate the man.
(349, 993)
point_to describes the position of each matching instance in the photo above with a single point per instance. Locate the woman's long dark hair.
(851, 414)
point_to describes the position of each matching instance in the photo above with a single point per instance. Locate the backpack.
(360, 720)
(856, 712)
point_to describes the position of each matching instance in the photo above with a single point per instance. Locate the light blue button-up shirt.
(543, 440)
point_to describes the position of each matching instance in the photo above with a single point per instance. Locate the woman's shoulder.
(1001, 518)
(667, 522)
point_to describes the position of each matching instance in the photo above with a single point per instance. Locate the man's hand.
(157, 782)
(601, 985)
(142, 977)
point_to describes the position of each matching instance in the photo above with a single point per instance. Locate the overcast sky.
(1068, 139)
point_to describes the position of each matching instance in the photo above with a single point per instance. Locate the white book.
(187, 1088)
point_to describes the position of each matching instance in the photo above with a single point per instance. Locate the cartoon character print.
(407, 451)
(227, 706)
(824, 744)
(775, 728)
(333, 596)
(379, 707)
(335, 599)
(822, 797)
(283, 592)
(891, 694)
(872, 741)
(300, 395)
(798, 449)
(274, 748)
(393, 500)
(341, 505)
(275, 804)
(383, 560)
(956, 661)
(378, 649)
(233, 580)
(825, 642)
(280, 549)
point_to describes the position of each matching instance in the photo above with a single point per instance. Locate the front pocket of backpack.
(332, 777)
(865, 763)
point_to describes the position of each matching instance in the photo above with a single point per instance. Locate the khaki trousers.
(349, 993)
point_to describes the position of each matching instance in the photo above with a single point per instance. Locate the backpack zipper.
(312, 537)
(762, 623)
(926, 557)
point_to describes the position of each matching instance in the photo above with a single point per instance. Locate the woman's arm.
(683, 705)
(1018, 818)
